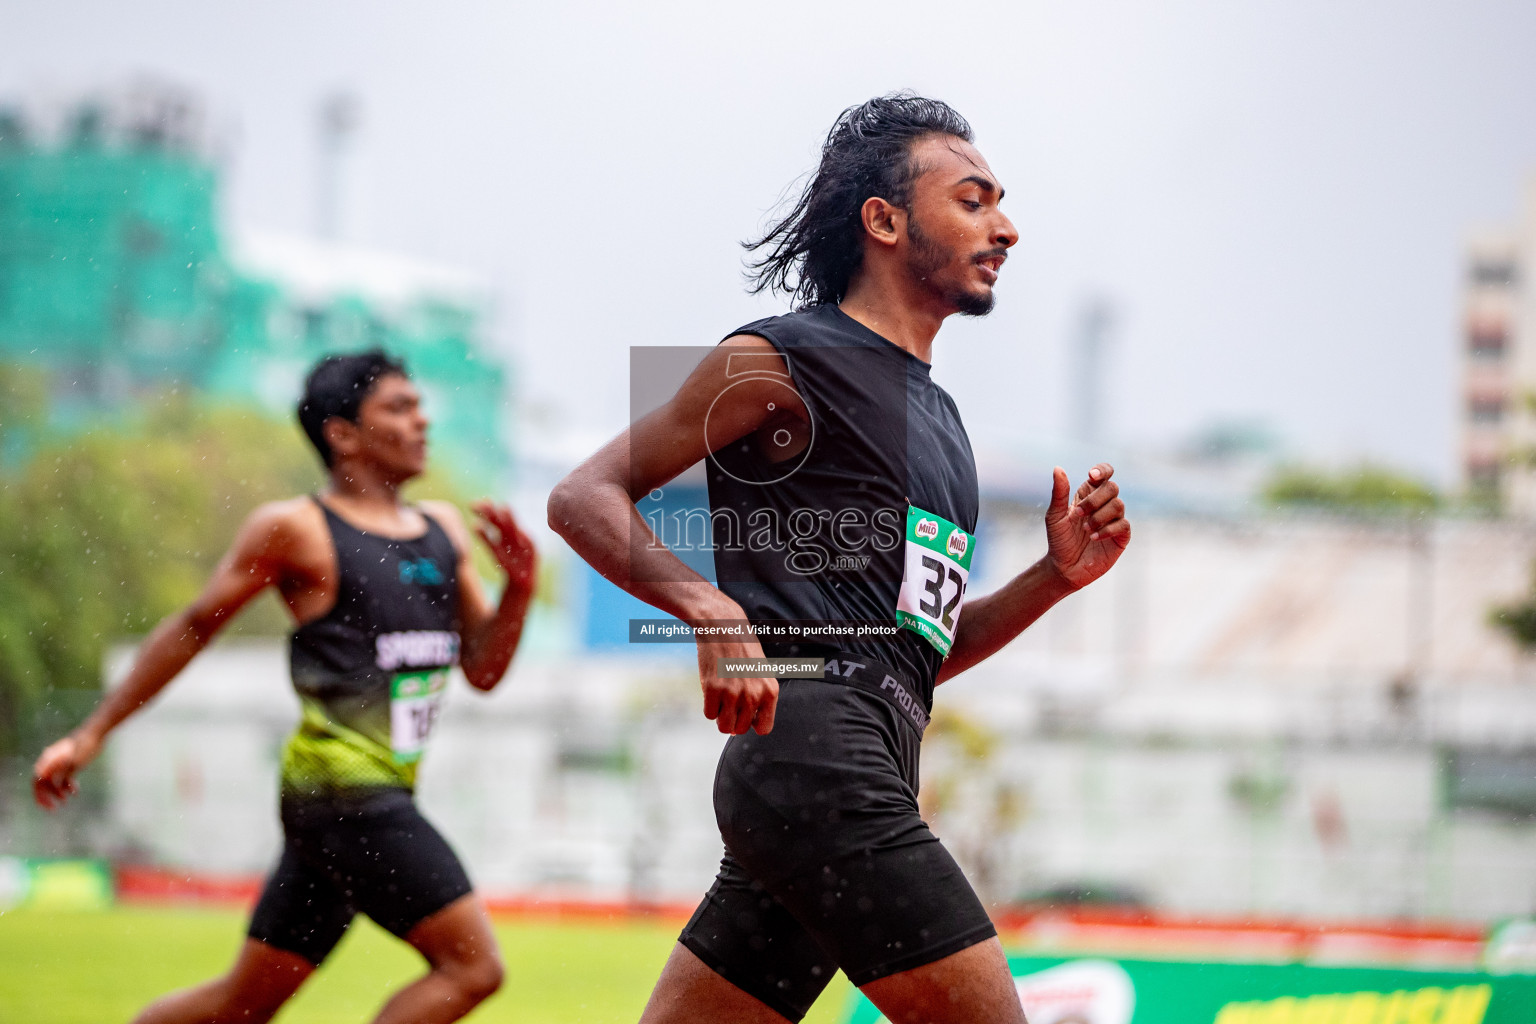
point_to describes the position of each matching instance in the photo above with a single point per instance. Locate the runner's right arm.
(1085, 535)
(489, 635)
(255, 560)
(593, 508)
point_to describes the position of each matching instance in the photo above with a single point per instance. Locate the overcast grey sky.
(1274, 194)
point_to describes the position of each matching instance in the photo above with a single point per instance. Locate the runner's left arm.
(489, 636)
(1085, 537)
(258, 558)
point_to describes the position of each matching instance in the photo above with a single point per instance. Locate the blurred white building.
(1498, 345)
(1277, 717)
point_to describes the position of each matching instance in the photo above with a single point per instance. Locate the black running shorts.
(828, 864)
(373, 854)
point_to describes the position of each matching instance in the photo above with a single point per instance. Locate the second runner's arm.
(253, 562)
(490, 636)
(1085, 537)
(594, 510)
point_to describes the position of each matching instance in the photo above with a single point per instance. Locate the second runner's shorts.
(373, 854)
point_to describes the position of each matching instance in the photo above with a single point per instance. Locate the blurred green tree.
(1366, 489)
(109, 529)
(1518, 618)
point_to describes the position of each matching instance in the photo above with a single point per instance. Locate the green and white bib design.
(415, 698)
(934, 576)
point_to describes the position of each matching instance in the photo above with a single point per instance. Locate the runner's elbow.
(482, 682)
(585, 492)
(483, 677)
(561, 509)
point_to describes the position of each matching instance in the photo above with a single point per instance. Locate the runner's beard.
(928, 258)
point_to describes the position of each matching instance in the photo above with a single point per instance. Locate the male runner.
(842, 488)
(386, 601)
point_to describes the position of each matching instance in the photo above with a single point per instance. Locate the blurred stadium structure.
(1254, 715)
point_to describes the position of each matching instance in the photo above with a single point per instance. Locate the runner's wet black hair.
(337, 386)
(812, 254)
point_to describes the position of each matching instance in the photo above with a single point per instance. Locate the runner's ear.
(882, 220)
(341, 435)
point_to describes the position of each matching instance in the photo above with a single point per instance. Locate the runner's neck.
(900, 324)
(372, 505)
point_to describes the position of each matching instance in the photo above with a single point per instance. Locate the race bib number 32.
(415, 698)
(933, 579)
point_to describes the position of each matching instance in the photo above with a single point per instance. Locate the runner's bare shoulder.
(758, 381)
(285, 534)
(447, 515)
(749, 355)
(747, 382)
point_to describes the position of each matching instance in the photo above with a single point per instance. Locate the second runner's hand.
(507, 543)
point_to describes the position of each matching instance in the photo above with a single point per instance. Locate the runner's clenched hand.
(735, 703)
(1086, 534)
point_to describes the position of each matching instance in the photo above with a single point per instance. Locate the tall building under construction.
(119, 280)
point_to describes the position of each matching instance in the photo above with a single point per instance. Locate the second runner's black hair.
(337, 386)
(812, 254)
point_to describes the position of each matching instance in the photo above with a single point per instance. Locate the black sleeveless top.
(370, 672)
(820, 536)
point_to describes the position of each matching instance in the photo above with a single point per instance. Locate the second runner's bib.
(415, 698)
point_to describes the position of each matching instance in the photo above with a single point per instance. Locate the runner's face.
(392, 429)
(958, 237)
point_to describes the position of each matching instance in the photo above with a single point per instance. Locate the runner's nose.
(1005, 234)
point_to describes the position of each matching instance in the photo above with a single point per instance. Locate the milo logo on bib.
(958, 544)
(935, 571)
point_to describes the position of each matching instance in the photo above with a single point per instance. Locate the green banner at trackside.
(1095, 990)
(54, 883)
